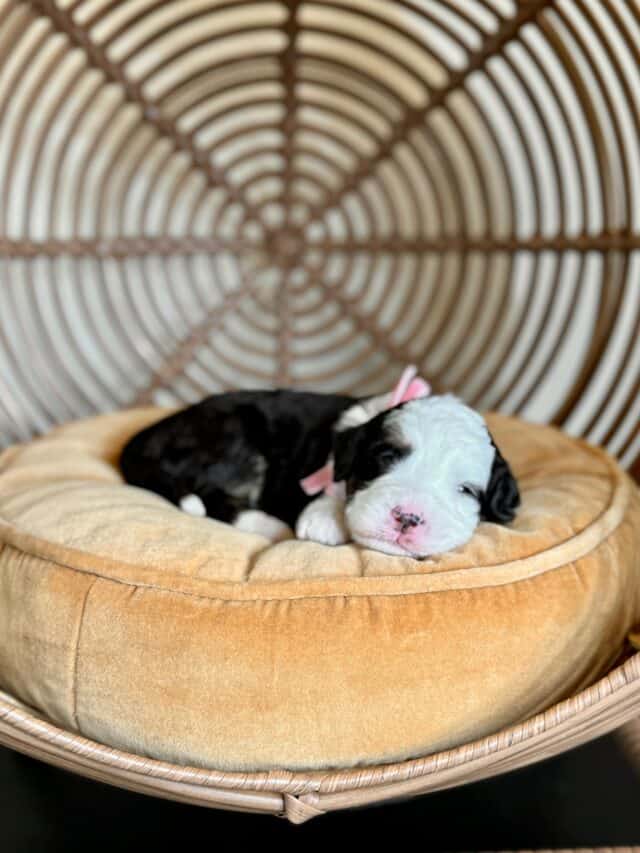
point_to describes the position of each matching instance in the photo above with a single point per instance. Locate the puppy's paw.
(323, 521)
(256, 521)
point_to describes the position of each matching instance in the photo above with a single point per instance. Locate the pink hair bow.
(410, 386)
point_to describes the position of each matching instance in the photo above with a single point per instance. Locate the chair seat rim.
(298, 795)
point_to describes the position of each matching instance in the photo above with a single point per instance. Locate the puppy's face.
(420, 477)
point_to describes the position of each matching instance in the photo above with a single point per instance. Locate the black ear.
(501, 498)
(346, 443)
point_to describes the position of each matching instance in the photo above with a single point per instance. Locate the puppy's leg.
(323, 521)
(256, 521)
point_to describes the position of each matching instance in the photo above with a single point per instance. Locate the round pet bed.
(185, 640)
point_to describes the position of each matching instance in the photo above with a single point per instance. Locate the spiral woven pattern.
(203, 194)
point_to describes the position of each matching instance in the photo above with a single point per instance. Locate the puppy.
(415, 479)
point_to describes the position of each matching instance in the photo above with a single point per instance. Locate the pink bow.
(409, 387)
(320, 481)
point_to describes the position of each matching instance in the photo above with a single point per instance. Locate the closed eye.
(470, 490)
(379, 458)
(387, 454)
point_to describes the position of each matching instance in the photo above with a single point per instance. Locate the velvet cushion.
(181, 638)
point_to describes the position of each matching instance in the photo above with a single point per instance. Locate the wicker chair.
(204, 194)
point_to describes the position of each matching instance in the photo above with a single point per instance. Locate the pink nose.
(405, 519)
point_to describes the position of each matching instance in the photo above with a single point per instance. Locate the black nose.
(407, 520)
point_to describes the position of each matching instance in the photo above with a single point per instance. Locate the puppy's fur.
(418, 477)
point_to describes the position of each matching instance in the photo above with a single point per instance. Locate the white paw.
(193, 505)
(256, 521)
(323, 521)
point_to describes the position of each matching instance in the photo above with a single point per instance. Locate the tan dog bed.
(186, 640)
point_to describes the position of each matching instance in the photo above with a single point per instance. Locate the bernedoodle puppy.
(412, 479)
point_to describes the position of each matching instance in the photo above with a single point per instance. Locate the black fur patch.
(501, 498)
(365, 452)
(236, 451)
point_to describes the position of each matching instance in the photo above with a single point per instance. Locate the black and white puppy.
(419, 476)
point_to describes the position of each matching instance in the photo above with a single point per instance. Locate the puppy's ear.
(346, 443)
(501, 498)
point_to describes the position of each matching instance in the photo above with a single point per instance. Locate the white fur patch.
(256, 521)
(192, 505)
(323, 521)
(362, 413)
(449, 447)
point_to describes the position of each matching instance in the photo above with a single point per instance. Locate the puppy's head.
(419, 477)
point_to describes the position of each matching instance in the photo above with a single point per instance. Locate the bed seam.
(201, 596)
(76, 656)
(345, 595)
